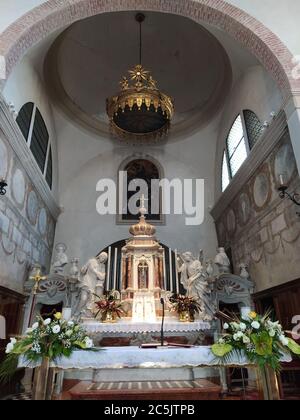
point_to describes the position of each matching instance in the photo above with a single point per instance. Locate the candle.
(108, 269)
(177, 279)
(171, 269)
(115, 269)
(282, 180)
(165, 270)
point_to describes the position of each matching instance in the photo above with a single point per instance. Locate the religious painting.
(147, 171)
(231, 221)
(244, 208)
(262, 188)
(284, 163)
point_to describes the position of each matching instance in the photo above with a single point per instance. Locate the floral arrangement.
(262, 340)
(109, 306)
(183, 304)
(45, 339)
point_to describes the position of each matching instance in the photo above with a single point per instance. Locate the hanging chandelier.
(140, 111)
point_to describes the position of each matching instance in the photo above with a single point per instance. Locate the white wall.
(33, 90)
(11, 10)
(84, 159)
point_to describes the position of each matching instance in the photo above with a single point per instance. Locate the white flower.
(221, 341)
(235, 325)
(255, 325)
(70, 323)
(243, 326)
(13, 341)
(236, 337)
(284, 341)
(226, 326)
(272, 333)
(88, 343)
(246, 340)
(56, 329)
(35, 326)
(9, 348)
(47, 321)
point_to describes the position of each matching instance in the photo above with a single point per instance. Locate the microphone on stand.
(162, 322)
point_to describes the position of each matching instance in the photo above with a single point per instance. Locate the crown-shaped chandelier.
(140, 111)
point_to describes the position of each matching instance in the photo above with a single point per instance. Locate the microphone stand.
(162, 322)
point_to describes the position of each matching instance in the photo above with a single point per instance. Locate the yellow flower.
(252, 315)
(58, 315)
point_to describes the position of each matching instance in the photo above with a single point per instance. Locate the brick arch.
(250, 33)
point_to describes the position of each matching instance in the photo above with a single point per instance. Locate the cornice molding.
(14, 137)
(258, 155)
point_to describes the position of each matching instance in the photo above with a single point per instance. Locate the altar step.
(200, 389)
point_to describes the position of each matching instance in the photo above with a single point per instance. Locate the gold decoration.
(142, 91)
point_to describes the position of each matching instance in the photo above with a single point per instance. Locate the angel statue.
(194, 280)
(92, 278)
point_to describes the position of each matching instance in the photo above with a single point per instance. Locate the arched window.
(244, 133)
(145, 171)
(253, 126)
(24, 119)
(34, 130)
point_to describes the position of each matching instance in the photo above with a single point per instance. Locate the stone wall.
(27, 226)
(260, 228)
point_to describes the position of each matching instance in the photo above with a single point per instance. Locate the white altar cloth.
(124, 326)
(134, 357)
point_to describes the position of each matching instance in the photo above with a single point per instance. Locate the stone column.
(129, 272)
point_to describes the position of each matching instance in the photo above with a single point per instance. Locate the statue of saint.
(222, 261)
(194, 280)
(92, 279)
(61, 259)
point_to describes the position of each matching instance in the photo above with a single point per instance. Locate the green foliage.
(260, 339)
(8, 368)
(294, 347)
(46, 339)
(221, 350)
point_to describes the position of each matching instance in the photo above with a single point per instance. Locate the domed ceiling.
(86, 63)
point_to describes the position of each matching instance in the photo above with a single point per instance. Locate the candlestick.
(177, 278)
(115, 269)
(171, 269)
(107, 287)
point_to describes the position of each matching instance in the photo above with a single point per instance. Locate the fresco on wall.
(26, 226)
(267, 232)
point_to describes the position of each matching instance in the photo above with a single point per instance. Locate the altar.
(143, 363)
(136, 333)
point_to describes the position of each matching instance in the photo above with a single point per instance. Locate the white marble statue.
(92, 279)
(60, 260)
(74, 269)
(222, 261)
(194, 280)
(244, 271)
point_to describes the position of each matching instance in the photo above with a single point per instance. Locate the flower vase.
(184, 316)
(43, 380)
(109, 318)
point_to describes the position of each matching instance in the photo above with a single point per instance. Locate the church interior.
(149, 199)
